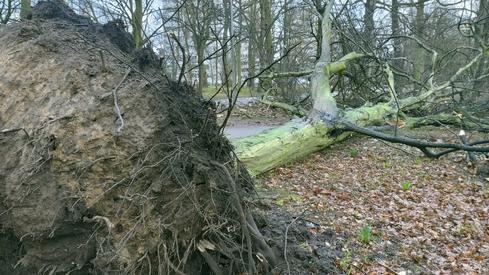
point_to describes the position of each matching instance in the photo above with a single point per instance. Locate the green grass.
(418, 161)
(210, 90)
(345, 262)
(354, 152)
(366, 234)
(406, 185)
(387, 164)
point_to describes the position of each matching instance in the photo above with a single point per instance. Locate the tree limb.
(421, 145)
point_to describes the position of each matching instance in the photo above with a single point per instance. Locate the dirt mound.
(106, 165)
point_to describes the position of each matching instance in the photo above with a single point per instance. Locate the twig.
(231, 106)
(182, 49)
(389, 269)
(285, 241)
(393, 93)
(5, 131)
(241, 213)
(104, 68)
(101, 219)
(162, 25)
(116, 103)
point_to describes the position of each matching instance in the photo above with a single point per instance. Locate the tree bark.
(253, 38)
(237, 44)
(25, 9)
(319, 30)
(266, 31)
(482, 34)
(368, 20)
(200, 61)
(324, 102)
(137, 23)
(266, 39)
(395, 32)
(419, 25)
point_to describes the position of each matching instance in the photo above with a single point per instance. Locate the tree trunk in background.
(395, 29)
(234, 63)
(237, 50)
(368, 21)
(266, 22)
(227, 66)
(266, 40)
(217, 61)
(186, 41)
(200, 48)
(287, 23)
(252, 32)
(419, 55)
(285, 65)
(137, 23)
(25, 8)
(482, 31)
(319, 31)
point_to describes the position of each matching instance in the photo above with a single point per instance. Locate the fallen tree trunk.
(299, 138)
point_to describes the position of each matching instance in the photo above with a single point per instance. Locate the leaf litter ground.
(395, 211)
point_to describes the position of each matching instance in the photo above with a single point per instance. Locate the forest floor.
(391, 210)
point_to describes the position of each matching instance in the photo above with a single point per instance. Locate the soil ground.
(378, 208)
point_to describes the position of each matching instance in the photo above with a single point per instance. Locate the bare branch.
(421, 145)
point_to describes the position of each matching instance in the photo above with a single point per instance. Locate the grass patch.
(406, 185)
(366, 234)
(354, 152)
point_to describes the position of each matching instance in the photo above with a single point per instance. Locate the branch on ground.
(424, 146)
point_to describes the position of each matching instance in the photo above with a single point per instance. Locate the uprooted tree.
(106, 166)
(326, 124)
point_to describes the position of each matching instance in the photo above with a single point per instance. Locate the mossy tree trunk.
(137, 23)
(301, 137)
(25, 8)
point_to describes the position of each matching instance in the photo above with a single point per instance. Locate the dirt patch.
(311, 248)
